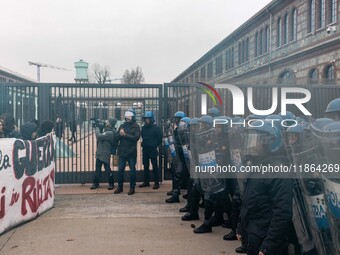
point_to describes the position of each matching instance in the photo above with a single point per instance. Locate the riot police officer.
(267, 202)
(179, 170)
(333, 110)
(152, 138)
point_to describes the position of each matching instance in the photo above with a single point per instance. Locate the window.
(196, 76)
(243, 52)
(219, 65)
(227, 61)
(311, 14)
(203, 73)
(329, 74)
(247, 50)
(278, 32)
(294, 24)
(287, 77)
(285, 29)
(232, 57)
(239, 52)
(313, 76)
(266, 41)
(260, 42)
(321, 14)
(256, 44)
(332, 11)
(210, 70)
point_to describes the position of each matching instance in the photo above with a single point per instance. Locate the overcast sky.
(163, 37)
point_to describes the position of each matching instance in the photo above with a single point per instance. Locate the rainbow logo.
(211, 91)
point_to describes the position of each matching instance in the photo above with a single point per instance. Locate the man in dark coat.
(127, 137)
(103, 154)
(152, 138)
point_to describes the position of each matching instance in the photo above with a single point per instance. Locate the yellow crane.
(44, 65)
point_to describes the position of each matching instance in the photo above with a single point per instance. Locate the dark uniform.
(152, 138)
(127, 137)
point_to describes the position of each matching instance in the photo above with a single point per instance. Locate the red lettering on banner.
(35, 192)
(2, 203)
(15, 198)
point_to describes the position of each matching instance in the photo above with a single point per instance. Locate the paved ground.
(84, 221)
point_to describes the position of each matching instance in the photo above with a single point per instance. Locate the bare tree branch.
(100, 74)
(135, 76)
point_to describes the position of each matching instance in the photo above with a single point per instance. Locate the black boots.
(111, 187)
(189, 216)
(241, 249)
(230, 237)
(203, 229)
(95, 186)
(144, 184)
(173, 199)
(131, 191)
(156, 185)
(118, 190)
(186, 208)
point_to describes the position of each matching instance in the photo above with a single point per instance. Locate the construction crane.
(44, 65)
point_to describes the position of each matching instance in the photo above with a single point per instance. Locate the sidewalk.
(85, 221)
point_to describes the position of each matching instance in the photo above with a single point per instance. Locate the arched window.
(286, 77)
(313, 76)
(278, 44)
(330, 74)
(311, 16)
(285, 29)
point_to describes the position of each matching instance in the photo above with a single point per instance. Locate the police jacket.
(127, 145)
(104, 143)
(267, 208)
(152, 137)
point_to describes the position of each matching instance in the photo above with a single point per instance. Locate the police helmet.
(262, 139)
(214, 112)
(150, 115)
(206, 122)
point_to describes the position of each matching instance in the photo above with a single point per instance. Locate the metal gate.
(75, 105)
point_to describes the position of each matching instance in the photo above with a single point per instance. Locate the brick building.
(286, 42)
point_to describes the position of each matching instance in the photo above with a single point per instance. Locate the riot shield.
(211, 179)
(184, 138)
(194, 155)
(305, 154)
(235, 146)
(329, 138)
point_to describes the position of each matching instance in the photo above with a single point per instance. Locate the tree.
(135, 76)
(100, 74)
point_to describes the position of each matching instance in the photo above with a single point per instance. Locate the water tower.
(81, 71)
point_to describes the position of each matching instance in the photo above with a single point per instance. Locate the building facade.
(10, 76)
(287, 42)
